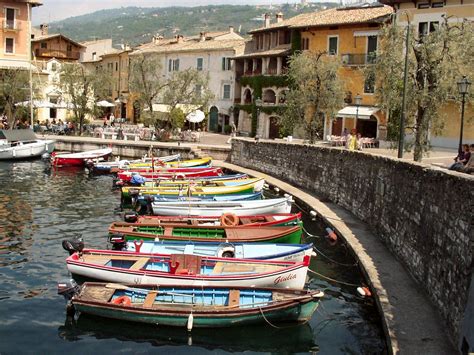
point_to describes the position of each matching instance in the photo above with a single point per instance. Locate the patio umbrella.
(37, 104)
(104, 103)
(196, 117)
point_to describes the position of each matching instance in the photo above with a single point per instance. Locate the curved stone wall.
(422, 214)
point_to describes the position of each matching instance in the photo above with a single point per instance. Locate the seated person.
(461, 159)
(469, 167)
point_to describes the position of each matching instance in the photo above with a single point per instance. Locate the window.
(44, 45)
(424, 5)
(198, 90)
(226, 94)
(10, 18)
(53, 67)
(332, 45)
(116, 66)
(226, 63)
(69, 47)
(437, 4)
(9, 45)
(173, 65)
(427, 27)
(305, 44)
(199, 63)
(369, 84)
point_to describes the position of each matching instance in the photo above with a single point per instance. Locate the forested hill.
(135, 25)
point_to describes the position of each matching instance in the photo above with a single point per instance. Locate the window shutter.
(170, 63)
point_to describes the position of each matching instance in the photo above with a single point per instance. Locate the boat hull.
(26, 151)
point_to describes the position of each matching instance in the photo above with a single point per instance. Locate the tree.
(189, 89)
(82, 89)
(14, 88)
(316, 91)
(436, 61)
(146, 81)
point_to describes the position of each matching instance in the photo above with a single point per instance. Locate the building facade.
(46, 47)
(425, 16)
(15, 34)
(210, 53)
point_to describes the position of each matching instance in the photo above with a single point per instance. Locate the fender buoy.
(122, 301)
(364, 291)
(138, 245)
(180, 176)
(229, 220)
(226, 250)
(331, 235)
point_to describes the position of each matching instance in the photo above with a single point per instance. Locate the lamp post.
(401, 139)
(463, 88)
(258, 104)
(358, 101)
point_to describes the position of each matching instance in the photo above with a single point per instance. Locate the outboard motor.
(73, 245)
(118, 241)
(149, 204)
(130, 217)
(46, 156)
(68, 289)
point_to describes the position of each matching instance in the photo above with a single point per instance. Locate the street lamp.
(358, 101)
(258, 104)
(463, 88)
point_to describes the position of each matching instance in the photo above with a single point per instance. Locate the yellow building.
(350, 33)
(424, 16)
(15, 33)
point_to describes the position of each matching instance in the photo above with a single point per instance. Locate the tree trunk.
(420, 135)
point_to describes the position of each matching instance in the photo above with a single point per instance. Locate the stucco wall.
(422, 214)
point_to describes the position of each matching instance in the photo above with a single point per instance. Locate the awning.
(104, 103)
(165, 108)
(12, 135)
(17, 64)
(363, 112)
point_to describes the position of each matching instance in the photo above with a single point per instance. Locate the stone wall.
(423, 214)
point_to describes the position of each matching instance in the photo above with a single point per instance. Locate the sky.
(54, 10)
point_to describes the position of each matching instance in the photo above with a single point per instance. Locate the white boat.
(81, 158)
(120, 164)
(260, 251)
(183, 269)
(214, 208)
(22, 144)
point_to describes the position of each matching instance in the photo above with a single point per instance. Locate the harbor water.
(40, 207)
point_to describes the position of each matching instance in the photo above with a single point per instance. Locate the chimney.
(267, 20)
(179, 38)
(156, 39)
(279, 17)
(202, 36)
(44, 29)
(231, 29)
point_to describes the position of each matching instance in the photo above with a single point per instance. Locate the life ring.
(229, 220)
(122, 301)
(226, 251)
(180, 176)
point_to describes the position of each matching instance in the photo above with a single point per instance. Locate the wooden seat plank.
(234, 298)
(150, 299)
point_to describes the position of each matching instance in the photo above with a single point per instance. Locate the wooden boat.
(79, 159)
(22, 144)
(158, 163)
(260, 251)
(182, 269)
(112, 166)
(173, 173)
(200, 179)
(159, 183)
(283, 234)
(282, 219)
(147, 200)
(249, 186)
(213, 208)
(200, 307)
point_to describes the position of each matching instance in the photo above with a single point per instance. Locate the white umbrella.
(196, 116)
(37, 104)
(104, 103)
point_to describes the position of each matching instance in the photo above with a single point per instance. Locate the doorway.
(213, 119)
(274, 131)
(337, 127)
(367, 128)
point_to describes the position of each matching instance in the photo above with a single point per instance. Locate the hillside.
(135, 25)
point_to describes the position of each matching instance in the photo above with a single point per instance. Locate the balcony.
(55, 53)
(358, 59)
(10, 25)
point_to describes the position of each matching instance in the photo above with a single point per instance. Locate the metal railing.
(11, 25)
(358, 59)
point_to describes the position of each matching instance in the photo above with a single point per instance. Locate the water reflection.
(256, 338)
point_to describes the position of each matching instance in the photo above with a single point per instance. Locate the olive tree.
(14, 88)
(316, 91)
(437, 59)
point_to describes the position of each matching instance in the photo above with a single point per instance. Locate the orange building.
(16, 33)
(45, 46)
(350, 33)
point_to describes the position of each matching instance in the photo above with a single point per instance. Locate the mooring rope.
(332, 260)
(277, 327)
(333, 280)
(311, 235)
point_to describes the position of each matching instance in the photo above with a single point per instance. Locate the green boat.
(130, 231)
(200, 306)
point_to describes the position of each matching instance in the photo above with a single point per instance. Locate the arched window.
(269, 96)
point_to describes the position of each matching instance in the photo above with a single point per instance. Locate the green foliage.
(436, 62)
(136, 25)
(177, 118)
(317, 92)
(14, 88)
(295, 41)
(227, 129)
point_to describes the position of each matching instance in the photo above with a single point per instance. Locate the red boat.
(79, 159)
(178, 173)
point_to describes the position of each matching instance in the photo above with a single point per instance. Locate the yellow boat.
(198, 182)
(255, 185)
(172, 164)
